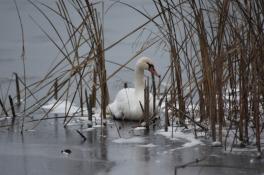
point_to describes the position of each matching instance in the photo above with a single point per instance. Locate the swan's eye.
(150, 66)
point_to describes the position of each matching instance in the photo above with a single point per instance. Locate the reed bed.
(217, 44)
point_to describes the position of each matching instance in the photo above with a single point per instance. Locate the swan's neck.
(139, 81)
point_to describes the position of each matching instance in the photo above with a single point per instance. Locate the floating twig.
(81, 134)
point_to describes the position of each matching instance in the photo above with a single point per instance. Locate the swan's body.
(127, 101)
(127, 105)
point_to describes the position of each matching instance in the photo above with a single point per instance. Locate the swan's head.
(146, 63)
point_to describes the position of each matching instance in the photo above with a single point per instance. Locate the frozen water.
(104, 153)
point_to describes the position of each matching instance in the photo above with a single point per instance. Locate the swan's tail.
(113, 111)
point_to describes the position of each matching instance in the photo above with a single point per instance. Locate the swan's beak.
(153, 71)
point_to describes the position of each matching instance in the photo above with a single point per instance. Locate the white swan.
(127, 101)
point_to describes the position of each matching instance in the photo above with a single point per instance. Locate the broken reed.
(89, 106)
(17, 90)
(146, 112)
(12, 109)
(3, 108)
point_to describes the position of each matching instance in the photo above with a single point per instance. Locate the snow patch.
(150, 145)
(216, 144)
(31, 130)
(139, 131)
(193, 142)
(88, 129)
(178, 135)
(130, 140)
(98, 126)
(157, 161)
